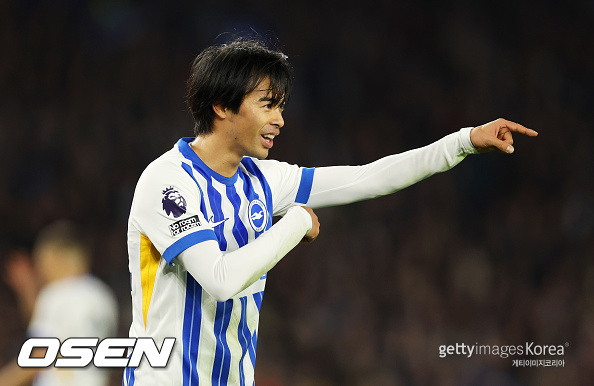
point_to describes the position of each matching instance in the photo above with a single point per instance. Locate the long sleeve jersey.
(200, 246)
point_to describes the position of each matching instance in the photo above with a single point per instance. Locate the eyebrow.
(269, 98)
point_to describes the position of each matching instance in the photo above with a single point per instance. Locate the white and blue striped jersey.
(180, 202)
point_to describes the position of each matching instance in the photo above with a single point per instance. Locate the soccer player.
(200, 236)
(71, 303)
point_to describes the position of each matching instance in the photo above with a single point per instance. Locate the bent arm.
(223, 275)
(337, 185)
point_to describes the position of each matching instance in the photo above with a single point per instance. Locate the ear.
(219, 110)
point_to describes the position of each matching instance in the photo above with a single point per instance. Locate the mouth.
(268, 140)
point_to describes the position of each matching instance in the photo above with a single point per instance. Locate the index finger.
(516, 127)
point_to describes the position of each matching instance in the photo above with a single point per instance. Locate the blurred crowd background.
(497, 251)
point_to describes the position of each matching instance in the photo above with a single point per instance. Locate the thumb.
(502, 145)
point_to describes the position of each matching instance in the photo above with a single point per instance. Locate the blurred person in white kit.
(70, 302)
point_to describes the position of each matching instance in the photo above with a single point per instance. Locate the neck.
(215, 154)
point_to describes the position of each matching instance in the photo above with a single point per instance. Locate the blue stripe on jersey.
(244, 335)
(248, 188)
(213, 195)
(258, 299)
(186, 242)
(222, 361)
(239, 230)
(191, 331)
(188, 170)
(254, 341)
(304, 190)
(184, 147)
(217, 211)
(250, 193)
(252, 349)
(128, 379)
(252, 168)
(215, 205)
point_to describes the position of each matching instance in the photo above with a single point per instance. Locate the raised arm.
(339, 185)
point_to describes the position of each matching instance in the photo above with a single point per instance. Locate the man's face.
(253, 128)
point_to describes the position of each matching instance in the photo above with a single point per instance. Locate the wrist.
(466, 143)
(300, 216)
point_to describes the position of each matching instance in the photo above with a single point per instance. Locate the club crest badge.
(258, 215)
(174, 204)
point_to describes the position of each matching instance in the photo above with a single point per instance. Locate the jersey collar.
(184, 147)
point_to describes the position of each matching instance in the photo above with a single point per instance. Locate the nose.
(277, 119)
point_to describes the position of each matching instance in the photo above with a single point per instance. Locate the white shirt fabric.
(338, 185)
(180, 203)
(199, 255)
(81, 306)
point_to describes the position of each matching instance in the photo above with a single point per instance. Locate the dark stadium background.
(497, 251)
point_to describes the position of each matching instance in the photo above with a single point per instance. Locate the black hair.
(224, 74)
